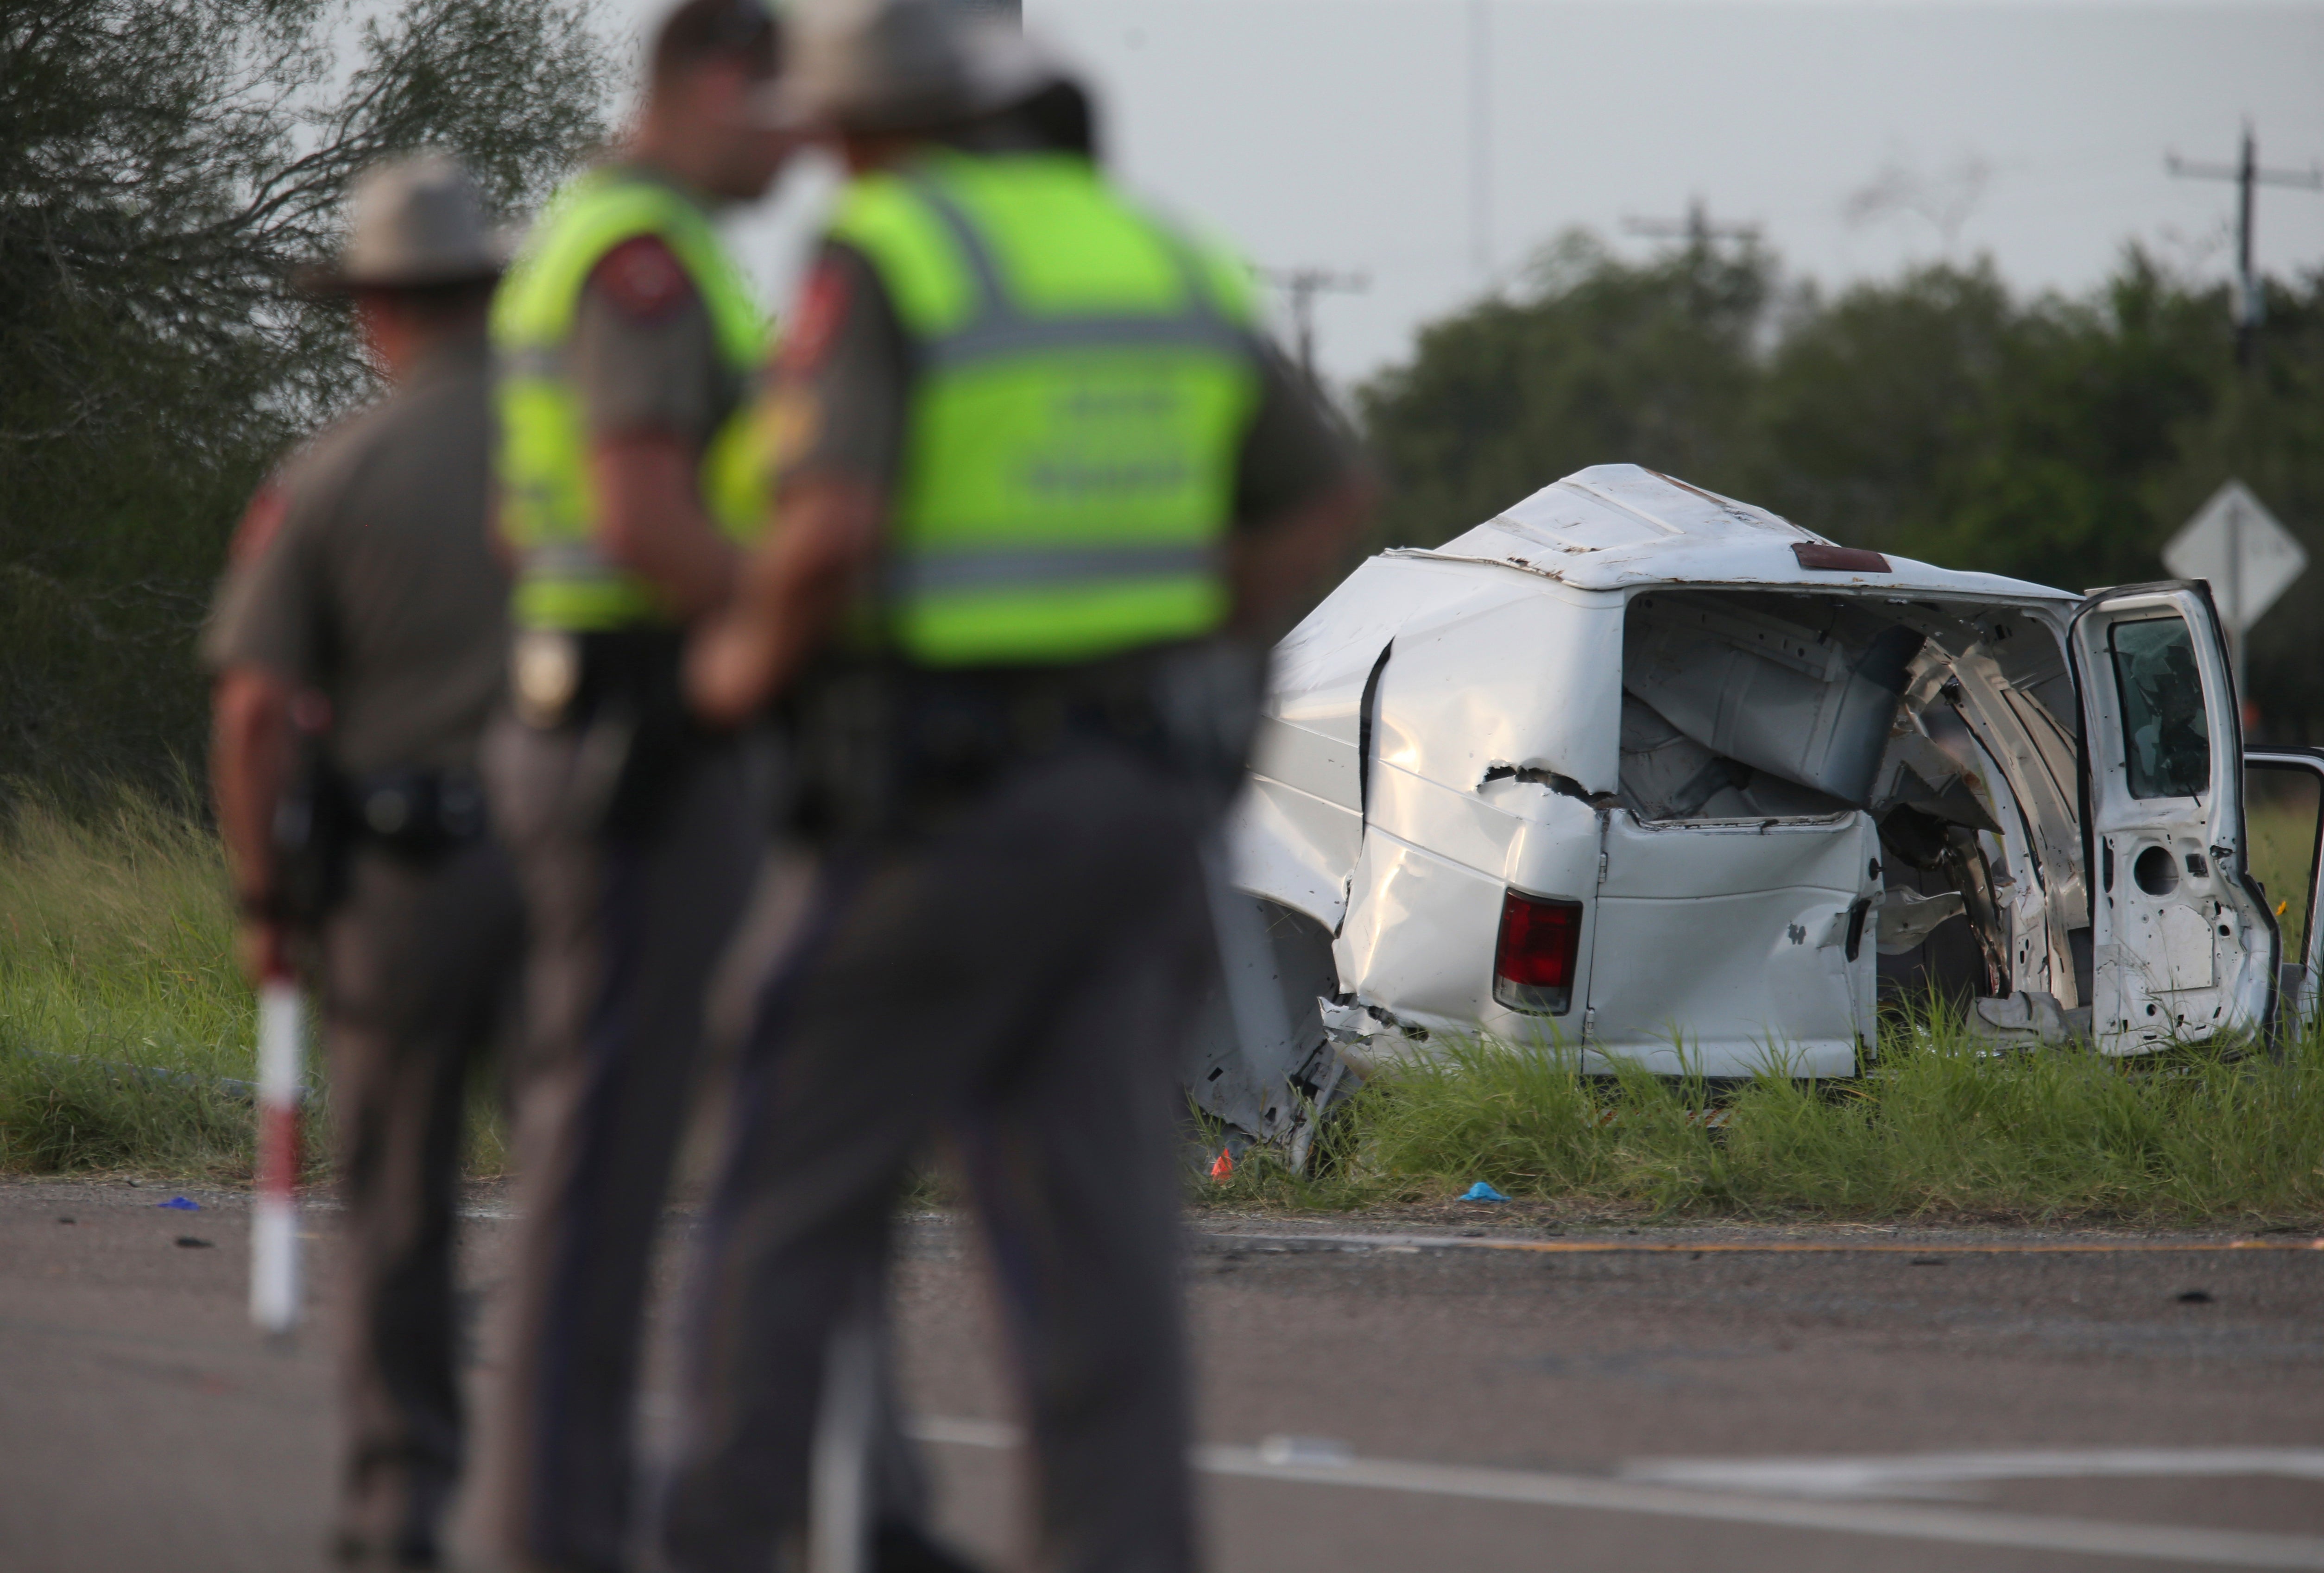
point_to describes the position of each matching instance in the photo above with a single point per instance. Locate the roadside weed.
(1942, 1123)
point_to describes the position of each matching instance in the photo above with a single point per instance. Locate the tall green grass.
(1943, 1126)
(127, 1032)
(120, 1010)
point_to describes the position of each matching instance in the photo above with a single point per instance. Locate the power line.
(1303, 285)
(2248, 177)
(1696, 228)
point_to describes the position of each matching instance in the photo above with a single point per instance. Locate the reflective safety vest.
(1085, 378)
(548, 503)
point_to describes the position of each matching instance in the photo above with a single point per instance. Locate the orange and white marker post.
(274, 1291)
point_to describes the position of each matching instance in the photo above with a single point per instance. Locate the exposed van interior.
(1952, 725)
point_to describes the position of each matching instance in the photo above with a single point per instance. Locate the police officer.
(359, 645)
(625, 336)
(1040, 476)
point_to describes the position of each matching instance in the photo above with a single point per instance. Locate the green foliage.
(165, 167)
(1935, 415)
(1944, 1126)
(1600, 359)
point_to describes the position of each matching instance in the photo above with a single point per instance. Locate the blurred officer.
(626, 337)
(360, 645)
(1038, 467)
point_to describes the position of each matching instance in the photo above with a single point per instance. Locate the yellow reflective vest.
(1085, 380)
(548, 506)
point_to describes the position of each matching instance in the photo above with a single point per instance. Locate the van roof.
(1617, 527)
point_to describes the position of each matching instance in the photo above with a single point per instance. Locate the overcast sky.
(1858, 136)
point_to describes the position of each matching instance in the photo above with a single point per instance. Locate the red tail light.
(1533, 961)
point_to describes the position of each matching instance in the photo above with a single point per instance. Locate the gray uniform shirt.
(363, 572)
(643, 356)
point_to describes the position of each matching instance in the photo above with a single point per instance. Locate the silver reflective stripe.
(998, 327)
(928, 572)
(995, 337)
(530, 361)
(568, 560)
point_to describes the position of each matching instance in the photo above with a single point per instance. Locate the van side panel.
(1749, 967)
(1293, 848)
(1532, 683)
(1419, 932)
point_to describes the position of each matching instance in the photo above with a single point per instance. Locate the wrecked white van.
(1658, 775)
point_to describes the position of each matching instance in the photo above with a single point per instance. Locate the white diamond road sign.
(2249, 559)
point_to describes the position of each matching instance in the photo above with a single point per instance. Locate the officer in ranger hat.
(626, 337)
(1046, 493)
(358, 643)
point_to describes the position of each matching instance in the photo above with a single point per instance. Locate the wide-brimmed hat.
(418, 222)
(902, 66)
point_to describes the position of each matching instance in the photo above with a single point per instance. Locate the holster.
(619, 694)
(415, 814)
(883, 749)
(311, 833)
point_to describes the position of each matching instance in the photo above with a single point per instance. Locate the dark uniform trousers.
(1015, 979)
(626, 932)
(419, 963)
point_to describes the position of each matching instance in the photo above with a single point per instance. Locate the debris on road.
(180, 1204)
(1480, 1191)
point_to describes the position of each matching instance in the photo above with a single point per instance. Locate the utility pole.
(1480, 138)
(1696, 228)
(2248, 177)
(1303, 285)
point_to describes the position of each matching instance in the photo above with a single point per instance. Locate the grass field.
(120, 1007)
(1941, 1127)
(126, 1032)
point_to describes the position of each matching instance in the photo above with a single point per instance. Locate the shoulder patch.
(260, 522)
(642, 278)
(822, 309)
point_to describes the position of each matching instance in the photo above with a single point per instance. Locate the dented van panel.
(1747, 773)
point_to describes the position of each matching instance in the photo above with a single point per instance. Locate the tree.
(165, 167)
(1598, 361)
(1934, 415)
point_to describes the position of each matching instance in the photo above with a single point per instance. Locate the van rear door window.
(2166, 739)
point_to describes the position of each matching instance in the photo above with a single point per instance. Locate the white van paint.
(1631, 693)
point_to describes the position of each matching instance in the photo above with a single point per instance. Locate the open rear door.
(2284, 816)
(2184, 943)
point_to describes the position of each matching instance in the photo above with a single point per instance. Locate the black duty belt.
(560, 679)
(621, 692)
(418, 813)
(882, 746)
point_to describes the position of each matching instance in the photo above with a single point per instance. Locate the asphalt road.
(1381, 1404)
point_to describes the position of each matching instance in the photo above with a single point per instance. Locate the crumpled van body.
(1660, 777)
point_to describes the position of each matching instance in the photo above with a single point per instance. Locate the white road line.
(1956, 1526)
(1928, 1474)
